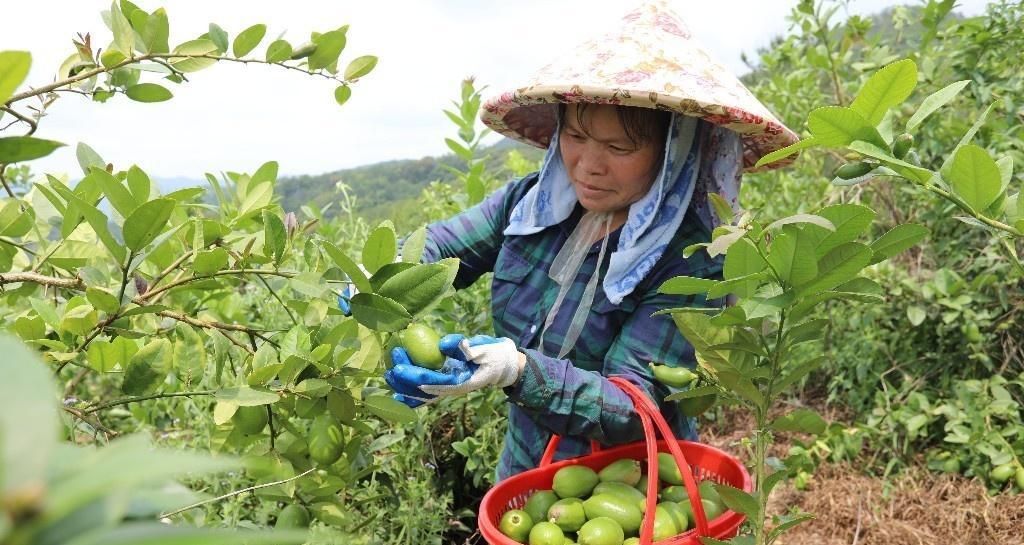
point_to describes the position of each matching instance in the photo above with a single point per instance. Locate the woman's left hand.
(473, 363)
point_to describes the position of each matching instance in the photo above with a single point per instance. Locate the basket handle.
(649, 412)
(650, 416)
(549, 451)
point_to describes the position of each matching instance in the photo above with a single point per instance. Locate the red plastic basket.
(696, 461)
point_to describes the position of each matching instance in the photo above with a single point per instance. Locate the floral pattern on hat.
(650, 61)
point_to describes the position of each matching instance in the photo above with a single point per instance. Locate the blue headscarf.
(652, 221)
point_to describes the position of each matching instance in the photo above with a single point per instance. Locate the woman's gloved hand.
(473, 363)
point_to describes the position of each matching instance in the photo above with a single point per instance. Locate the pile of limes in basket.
(586, 507)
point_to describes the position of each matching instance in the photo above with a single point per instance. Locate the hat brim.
(529, 115)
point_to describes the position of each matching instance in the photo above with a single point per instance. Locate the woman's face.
(607, 171)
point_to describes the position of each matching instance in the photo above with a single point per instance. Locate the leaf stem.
(126, 401)
(237, 492)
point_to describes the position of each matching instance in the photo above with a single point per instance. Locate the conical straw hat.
(651, 60)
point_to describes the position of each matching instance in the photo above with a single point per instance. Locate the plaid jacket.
(571, 397)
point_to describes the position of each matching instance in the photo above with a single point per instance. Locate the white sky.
(234, 117)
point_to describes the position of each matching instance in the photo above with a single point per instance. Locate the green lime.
(251, 420)
(621, 510)
(546, 533)
(626, 470)
(292, 516)
(538, 504)
(326, 441)
(1001, 474)
(516, 524)
(601, 531)
(664, 524)
(574, 481)
(421, 343)
(568, 514)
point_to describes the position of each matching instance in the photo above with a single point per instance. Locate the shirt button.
(533, 328)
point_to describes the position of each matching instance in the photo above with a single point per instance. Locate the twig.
(94, 423)
(70, 283)
(126, 401)
(236, 342)
(23, 247)
(153, 293)
(237, 492)
(30, 121)
(3, 180)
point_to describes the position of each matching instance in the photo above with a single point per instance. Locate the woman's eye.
(576, 137)
(617, 149)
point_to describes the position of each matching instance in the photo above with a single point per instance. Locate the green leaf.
(107, 356)
(342, 93)
(328, 48)
(14, 149)
(195, 47)
(313, 387)
(146, 222)
(935, 101)
(839, 265)
(148, 368)
(721, 207)
(418, 288)
(247, 396)
(275, 238)
(905, 169)
(278, 51)
(389, 409)
(849, 220)
(156, 32)
(13, 221)
(801, 218)
(967, 137)
(686, 285)
(886, 88)
(148, 92)
(702, 335)
(97, 220)
(794, 373)
(741, 285)
(916, 315)
(743, 259)
(793, 258)
(787, 151)
(379, 313)
(790, 522)
(412, 248)
(349, 267)
(248, 39)
(118, 195)
(124, 34)
(29, 423)
(898, 239)
(380, 248)
(737, 500)
(266, 173)
(308, 283)
(139, 184)
(699, 391)
(360, 67)
(836, 126)
(975, 177)
(210, 261)
(102, 300)
(722, 242)
(88, 158)
(218, 36)
(801, 421)
(14, 67)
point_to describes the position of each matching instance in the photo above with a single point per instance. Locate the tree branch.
(69, 283)
(31, 123)
(153, 293)
(96, 408)
(237, 492)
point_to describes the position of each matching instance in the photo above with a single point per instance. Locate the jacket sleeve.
(574, 402)
(475, 235)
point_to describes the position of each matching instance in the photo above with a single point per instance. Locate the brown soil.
(916, 507)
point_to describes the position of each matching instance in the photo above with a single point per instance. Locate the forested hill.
(379, 184)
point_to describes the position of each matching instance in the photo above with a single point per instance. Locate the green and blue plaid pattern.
(572, 397)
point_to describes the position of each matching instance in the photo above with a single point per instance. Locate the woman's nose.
(591, 163)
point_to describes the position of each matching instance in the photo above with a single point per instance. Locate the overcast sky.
(234, 117)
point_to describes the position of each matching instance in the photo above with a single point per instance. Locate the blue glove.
(472, 364)
(345, 300)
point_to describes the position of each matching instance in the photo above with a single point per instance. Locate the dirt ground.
(917, 507)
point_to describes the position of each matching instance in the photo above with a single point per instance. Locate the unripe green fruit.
(677, 377)
(250, 420)
(902, 145)
(1001, 474)
(516, 524)
(326, 442)
(292, 516)
(850, 171)
(421, 343)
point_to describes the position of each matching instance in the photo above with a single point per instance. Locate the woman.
(639, 125)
